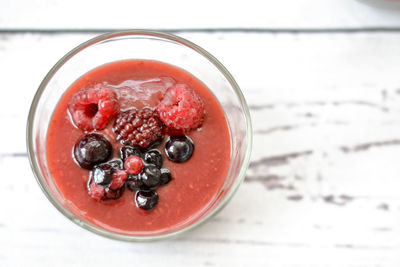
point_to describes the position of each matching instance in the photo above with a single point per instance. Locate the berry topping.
(118, 179)
(113, 194)
(133, 182)
(93, 108)
(150, 176)
(138, 127)
(102, 174)
(165, 176)
(153, 157)
(107, 179)
(133, 165)
(181, 108)
(96, 191)
(146, 200)
(179, 148)
(92, 149)
(116, 164)
(127, 151)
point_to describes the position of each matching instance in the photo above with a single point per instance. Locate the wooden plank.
(310, 230)
(309, 83)
(175, 14)
(323, 181)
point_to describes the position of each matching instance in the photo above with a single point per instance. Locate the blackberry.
(138, 127)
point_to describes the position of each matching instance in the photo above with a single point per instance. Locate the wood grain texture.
(322, 187)
(177, 14)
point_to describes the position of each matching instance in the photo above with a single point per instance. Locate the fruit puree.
(195, 183)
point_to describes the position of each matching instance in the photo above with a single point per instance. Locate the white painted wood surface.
(179, 14)
(324, 180)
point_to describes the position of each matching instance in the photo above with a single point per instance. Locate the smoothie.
(135, 111)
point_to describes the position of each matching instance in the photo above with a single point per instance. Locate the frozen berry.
(109, 177)
(102, 175)
(165, 176)
(118, 179)
(181, 108)
(179, 148)
(93, 108)
(116, 164)
(96, 191)
(92, 149)
(150, 176)
(133, 182)
(154, 157)
(127, 151)
(138, 127)
(133, 165)
(113, 194)
(146, 200)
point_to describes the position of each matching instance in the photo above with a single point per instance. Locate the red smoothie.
(194, 184)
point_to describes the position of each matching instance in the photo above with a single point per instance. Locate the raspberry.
(93, 108)
(138, 127)
(118, 179)
(133, 165)
(181, 108)
(96, 191)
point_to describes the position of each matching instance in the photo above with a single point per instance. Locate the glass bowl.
(150, 45)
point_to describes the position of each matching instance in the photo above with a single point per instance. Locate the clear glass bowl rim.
(144, 33)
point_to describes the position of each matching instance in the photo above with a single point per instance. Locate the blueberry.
(127, 151)
(165, 176)
(156, 144)
(146, 200)
(133, 182)
(102, 174)
(92, 149)
(150, 176)
(113, 194)
(179, 148)
(116, 164)
(153, 157)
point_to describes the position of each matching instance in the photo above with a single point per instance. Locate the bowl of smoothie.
(139, 135)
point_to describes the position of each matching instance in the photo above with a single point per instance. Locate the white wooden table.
(322, 79)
